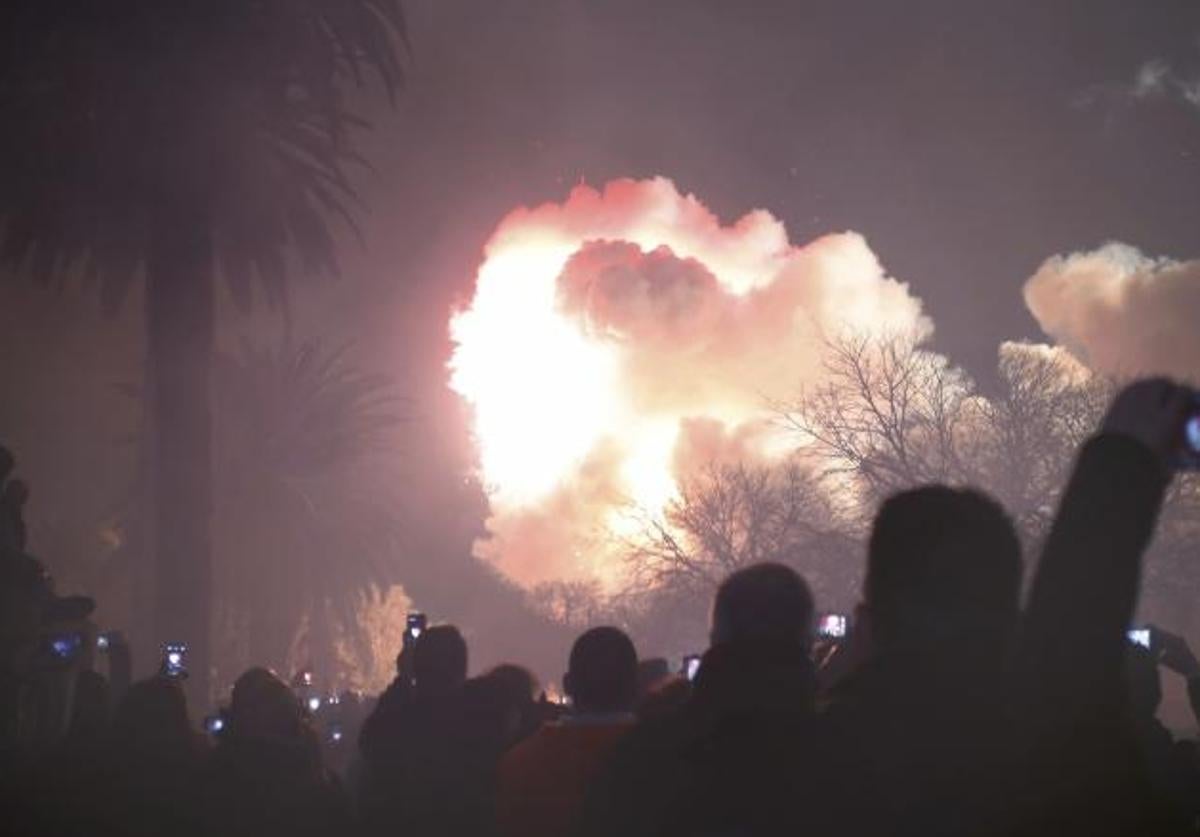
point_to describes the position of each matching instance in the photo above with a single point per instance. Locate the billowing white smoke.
(1120, 311)
(625, 336)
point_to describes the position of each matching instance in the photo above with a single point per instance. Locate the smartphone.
(102, 642)
(1189, 456)
(174, 660)
(306, 677)
(313, 703)
(833, 626)
(1139, 636)
(335, 733)
(691, 666)
(65, 647)
(414, 627)
(214, 724)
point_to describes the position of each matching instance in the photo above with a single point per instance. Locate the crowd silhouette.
(948, 708)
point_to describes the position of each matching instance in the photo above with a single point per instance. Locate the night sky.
(968, 141)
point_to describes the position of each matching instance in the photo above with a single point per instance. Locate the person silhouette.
(542, 780)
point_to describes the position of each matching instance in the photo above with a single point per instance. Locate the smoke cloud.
(624, 337)
(1121, 312)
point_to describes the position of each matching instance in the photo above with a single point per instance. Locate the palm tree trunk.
(180, 324)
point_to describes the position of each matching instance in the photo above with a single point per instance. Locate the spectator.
(1173, 767)
(266, 778)
(651, 673)
(665, 698)
(735, 757)
(912, 739)
(542, 780)
(89, 712)
(438, 672)
(154, 764)
(424, 773)
(1081, 770)
(518, 689)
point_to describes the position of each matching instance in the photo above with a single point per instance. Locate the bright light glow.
(620, 341)
(542, 391)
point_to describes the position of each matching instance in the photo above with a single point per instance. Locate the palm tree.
(306, 503)
(175, 142)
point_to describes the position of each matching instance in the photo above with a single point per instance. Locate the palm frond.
(237, 107)
(303, 438)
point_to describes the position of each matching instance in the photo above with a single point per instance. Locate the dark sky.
(967, 140)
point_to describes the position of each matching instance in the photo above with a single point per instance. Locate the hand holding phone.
(833, 626)
(174, 660)
(414, 626)
(64, 647)
(1189, 449)
(1140, 636)
(691, 666)
(1174, 652)
(1160, 415)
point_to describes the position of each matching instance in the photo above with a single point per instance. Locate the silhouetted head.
(651, 673)
(152, 717)
(664, 698)
(1143, 681)
(602, 673)
(762, 602)
(518, 684)
(440, 660)
(263, 706)
(943, 565)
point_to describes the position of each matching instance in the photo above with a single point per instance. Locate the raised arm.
(1080, 763)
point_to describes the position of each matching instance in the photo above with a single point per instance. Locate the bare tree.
(732, 515)
(887, 412)
(1027, 434)
(890, 415)
(572, 604)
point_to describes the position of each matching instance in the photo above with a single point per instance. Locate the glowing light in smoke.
(542, 392)
(621, 339)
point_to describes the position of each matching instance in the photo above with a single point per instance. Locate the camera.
(691, 666)
(65, 647)
(174, 660)
(833, 626)
(1189, 450)
(414, 627)
(1139, 636)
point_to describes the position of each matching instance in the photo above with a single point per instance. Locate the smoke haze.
(1122, 312)
(625, 336)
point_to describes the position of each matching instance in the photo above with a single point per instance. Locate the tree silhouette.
(891, 415)
(170, 143)
(728, 516)
(307, 509)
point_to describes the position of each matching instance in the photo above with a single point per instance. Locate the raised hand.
(1151, 411)
(1174, 652)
